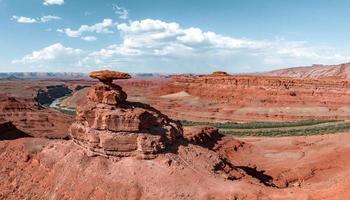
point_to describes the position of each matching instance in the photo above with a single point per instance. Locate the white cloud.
(159, 35)
(158, 46)
(102, 27)
(48, 18)
(152, 44)
(29, 20)
(24, 20)
(148, 25)
(89, 38)
(120, 11)
(53, 2)
(53, 53)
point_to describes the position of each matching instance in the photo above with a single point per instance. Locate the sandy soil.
(318, 165)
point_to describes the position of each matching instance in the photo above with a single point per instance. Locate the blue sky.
(197, 36)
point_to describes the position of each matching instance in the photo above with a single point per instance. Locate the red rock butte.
(108, 125)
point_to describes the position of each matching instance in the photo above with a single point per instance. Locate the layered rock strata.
(28, 116)
(109, 125)
(255, 98)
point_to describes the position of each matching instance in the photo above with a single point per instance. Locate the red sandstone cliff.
(263, 97)
(34, 120)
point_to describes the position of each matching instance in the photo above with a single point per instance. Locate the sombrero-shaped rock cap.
(107, 76)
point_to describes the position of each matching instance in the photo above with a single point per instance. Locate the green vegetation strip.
(298, 128)
(257, 125)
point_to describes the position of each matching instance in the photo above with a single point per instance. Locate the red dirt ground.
(298, 168)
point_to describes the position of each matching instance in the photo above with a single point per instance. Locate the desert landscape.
(61, 135)
(174, 100)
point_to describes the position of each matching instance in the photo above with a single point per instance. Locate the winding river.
(56, 104)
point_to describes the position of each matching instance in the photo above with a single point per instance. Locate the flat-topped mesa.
(109, 125)
(219, 73)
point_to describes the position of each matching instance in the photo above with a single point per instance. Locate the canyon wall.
(265, 98)
(50, 93)
(240, 90)
(31, 118)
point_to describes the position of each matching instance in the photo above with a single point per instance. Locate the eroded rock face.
(200, 134)
(256, 98)
(109, 125)
(28, 116)
(107, 94)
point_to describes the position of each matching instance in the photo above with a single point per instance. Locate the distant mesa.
(107, 76)
(11, 78)
(316, 71)
(220, 73)
(41, 76)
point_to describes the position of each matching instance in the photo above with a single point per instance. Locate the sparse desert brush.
(295, 128)
(255, 125)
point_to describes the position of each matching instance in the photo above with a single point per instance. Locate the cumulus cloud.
(150, 43)
(29, 20)
(102, 27)
(158, 46)
(120, 11)
(53, 53)
(53, 2)
(24, 20)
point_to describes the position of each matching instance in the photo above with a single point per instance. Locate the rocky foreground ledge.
(109, 125)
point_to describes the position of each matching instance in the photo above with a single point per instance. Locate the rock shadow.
(10, 132)
(260, 175)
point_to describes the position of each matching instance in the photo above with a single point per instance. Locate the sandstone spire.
(106, 92)
(109, 125)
